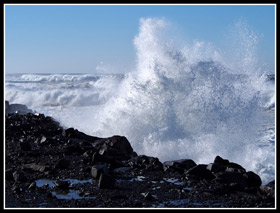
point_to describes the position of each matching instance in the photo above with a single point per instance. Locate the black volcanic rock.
(232, 177)
(221, 161)
(19, 176)
(117, 147)
(97, 170)
(216, 167)
(144, 162)
(49, 166)
(62, 164)
(253, 180)
(106, 181)
(179, 165)
(16, 108)
(62, 184)
(201, 172)
(73, 133)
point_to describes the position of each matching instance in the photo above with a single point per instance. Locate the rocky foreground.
(48, 166)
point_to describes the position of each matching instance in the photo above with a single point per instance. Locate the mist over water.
(184, 100)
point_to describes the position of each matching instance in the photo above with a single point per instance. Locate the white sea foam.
(188, 101)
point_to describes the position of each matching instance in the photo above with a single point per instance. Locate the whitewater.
(182, 100)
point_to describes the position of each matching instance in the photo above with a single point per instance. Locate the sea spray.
(183, 100)
(184, 103)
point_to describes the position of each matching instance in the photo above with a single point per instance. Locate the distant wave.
(58, 77)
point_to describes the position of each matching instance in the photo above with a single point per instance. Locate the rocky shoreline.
(47, 166)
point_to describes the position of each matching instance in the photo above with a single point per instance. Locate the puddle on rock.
(174, 181)
(42, 182)
(66, 194)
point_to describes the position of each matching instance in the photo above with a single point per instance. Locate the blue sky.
(78, 38)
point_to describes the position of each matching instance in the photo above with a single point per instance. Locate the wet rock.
(119, 197)
(16, 108)
(43, 140)
(148, 196)
(49, 195)
(73, 148)
(36, 167)
(178, 165)
(19, 176)
(235, 187)
(122, 170)
(116, 147)
(9, 175)
(74, 133)
(17, 189)
(145, 163)
(97, 170)
(237, 167)
(233, 177)
(253, 180)
(32, 186)
(62, 184)
(216, 167)
(201, 172)
(106, 181)
(62, 164)
(25, 146)
(268, 189)
(221, 161)
(98, 159)
(230, 169)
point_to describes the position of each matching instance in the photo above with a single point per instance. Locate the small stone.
(17, 189)
(148, 196)
(19, 176)
(43, 140)
(98, 169)
(32, 185)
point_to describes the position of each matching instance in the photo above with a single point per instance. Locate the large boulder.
(253, 180)
(114, 148)
(178, 165)
(74, 133)
(222, 165)
(232, 178)
(145, 163)
(221, 161)
(16, 108)
(201, 172)
(216, 167)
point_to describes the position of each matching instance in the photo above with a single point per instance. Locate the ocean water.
(182, 100)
